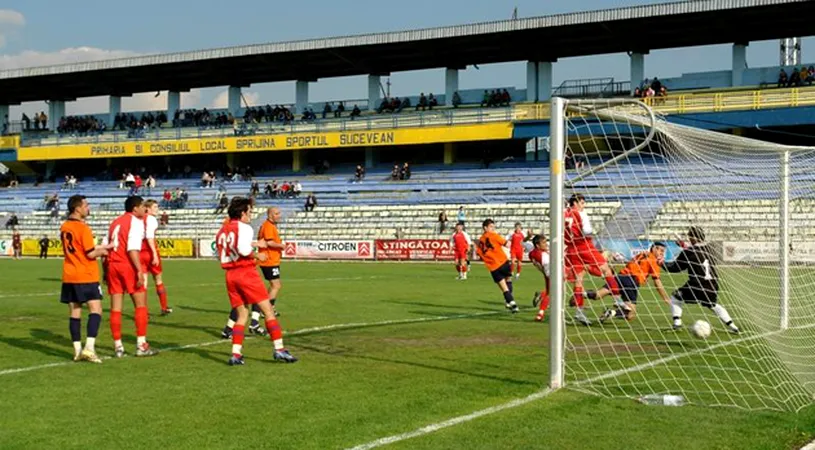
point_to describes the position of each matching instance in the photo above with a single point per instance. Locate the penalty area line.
(302, 332)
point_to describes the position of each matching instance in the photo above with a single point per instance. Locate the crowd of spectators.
(400, 173)
(286, 189)
(796, 77)
(176, 198)
(496, 98)
(40, 121)
(652, 88)
(81, 126)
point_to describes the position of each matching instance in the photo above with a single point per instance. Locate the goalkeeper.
(633, 276)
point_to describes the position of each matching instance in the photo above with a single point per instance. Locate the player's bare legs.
(274, 289)
(276, 333)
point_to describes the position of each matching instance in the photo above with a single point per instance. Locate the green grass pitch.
(384, 349)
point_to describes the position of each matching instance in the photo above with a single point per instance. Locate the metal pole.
(784, 250)
(557, 142)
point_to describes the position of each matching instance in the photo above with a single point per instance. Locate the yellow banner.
(171, 248)
(31, 247)
(9, 142)
(258, 143)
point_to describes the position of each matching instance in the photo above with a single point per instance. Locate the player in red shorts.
(516, 248)
(539, 255)
(244, 285)
(124, 275)
(581, 254)
(150, 257)
(461, 248)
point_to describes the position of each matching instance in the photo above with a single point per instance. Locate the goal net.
(657, 180)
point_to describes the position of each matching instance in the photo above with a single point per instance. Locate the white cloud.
(70, 55)
(221, 101)
(10, 21)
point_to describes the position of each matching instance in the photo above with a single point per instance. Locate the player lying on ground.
(631, 279)
(236, 253)
(124, 275)
(80, 277)
(490, 249)
(702, 286)
(539, 255)
(581, 254)
(461, 247)
(150, 257)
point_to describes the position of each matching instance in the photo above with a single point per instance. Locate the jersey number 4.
(484, 246)
(226, 241)
(114, 237)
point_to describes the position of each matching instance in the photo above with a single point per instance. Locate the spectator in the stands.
(461, 217)
(782, 78)
(339, 110)
(456, 99)
(206, 180)
(254, 190)
(130, 180)
(26, 121)
(185, 197)
(167, 197)
(285, 189)
(311, 202)
(506, 99)
(44, 247)
(442, 221)
(795, 78)
(356, 112)
(137, 184)
(359, 175)
(395, 172)
(150, 184)
(268, 191)
(405, 173)
(810, 75)
(486, 99)
(326, 110)
(296, 188)
(164, 220)
(431, 101)
(223, 202)
(12, 221)
(5, 125)
(422, 104)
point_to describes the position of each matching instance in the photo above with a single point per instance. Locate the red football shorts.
(517, 253)
(122, 279)
(582, 257)
(146, 263)
(245, 287)
(461, 253)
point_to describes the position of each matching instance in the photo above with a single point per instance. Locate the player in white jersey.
(539, 256)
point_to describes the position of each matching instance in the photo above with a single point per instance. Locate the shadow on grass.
(437, 305)
(50, 279)
(198, 328)
(223, 312)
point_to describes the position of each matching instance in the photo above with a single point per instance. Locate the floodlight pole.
(557, 145)
(784, 241)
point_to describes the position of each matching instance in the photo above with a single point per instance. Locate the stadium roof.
(639, 28)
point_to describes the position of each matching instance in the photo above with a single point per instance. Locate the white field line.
(545, 392)
(287, 280)
(304, 331)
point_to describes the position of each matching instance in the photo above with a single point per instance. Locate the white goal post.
(653, 180)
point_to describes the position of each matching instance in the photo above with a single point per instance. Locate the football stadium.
(579, 260)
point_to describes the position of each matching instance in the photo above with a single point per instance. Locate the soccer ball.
(701, 329)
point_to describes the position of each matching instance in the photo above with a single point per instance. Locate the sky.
(36, 33)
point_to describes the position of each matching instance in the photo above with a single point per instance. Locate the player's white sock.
(90, 344)
(676, 308)
(237, 349)
(255, 316)
(278, 344)
(230, 323)
(118, 344)
(141, 340)
(723, 315)
(77, 347)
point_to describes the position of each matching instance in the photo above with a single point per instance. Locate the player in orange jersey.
(490, 248)
(80, 277)
(581, 254)
(269, 234)
(125, 275)
(150, 257)
(633, 276)
(516, 248)
(235, 250)
(461, 247)
(539, 255)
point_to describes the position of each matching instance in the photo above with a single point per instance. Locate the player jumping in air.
(461, 247)
(540, 259)
(80, 277)
(631, 279)
(243, 283)
(516, 248)
(581, 254)
(150, 257)
(702, 286)
(125, 275)
(490, 249)
(274, 251)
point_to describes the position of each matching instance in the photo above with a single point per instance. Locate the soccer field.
(385, 349)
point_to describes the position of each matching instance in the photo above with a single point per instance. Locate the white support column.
(233, 103)
(739, 64)
(784, 241)
(373, 92)
(450, 85)
(114, 108)
(173, 103)
(637, 70)
(532, 81)
(545, 81)
(301, 96)
(557, 145)
(56, 111)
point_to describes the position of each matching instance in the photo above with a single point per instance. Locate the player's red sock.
(140, 317)
(162, 296)
(116, 325)
(237, 340)
(612, 284)
(544, 303)
(275, 332)
(578, 297)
